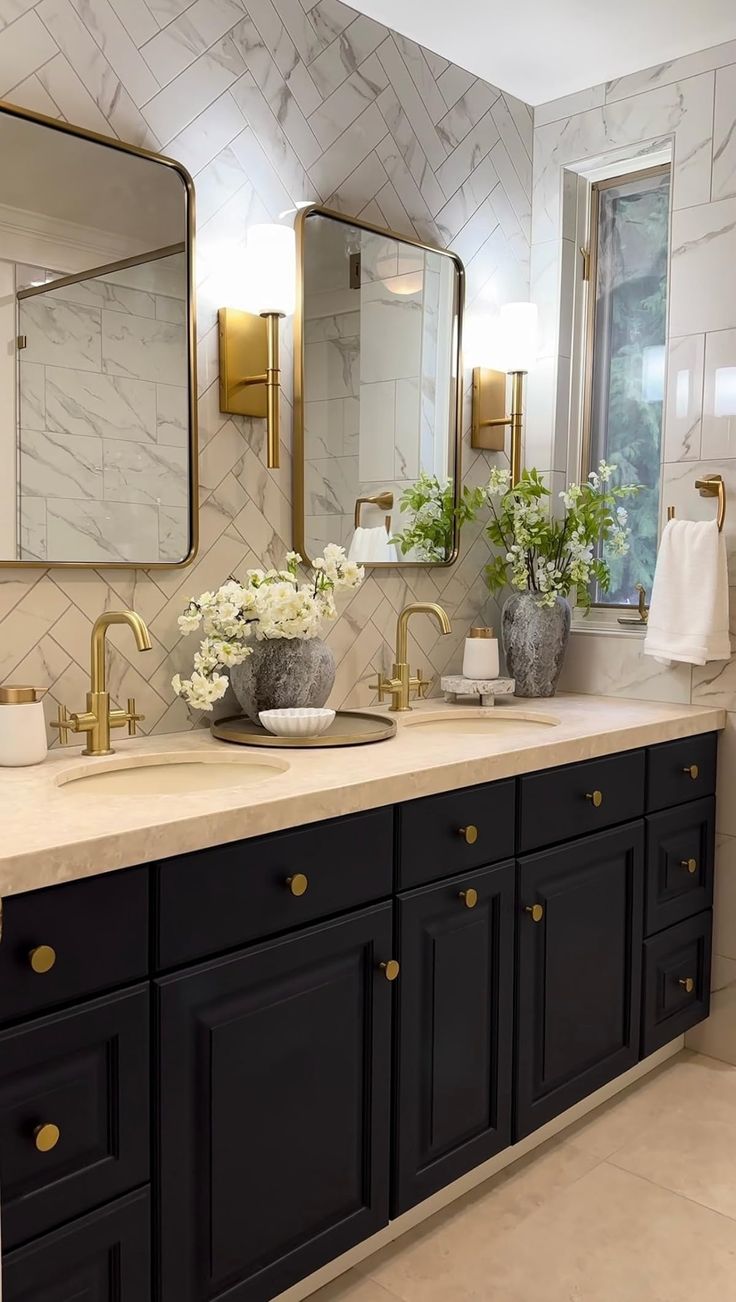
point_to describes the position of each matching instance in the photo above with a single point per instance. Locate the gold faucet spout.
(99, 633)
(402, 626)
(99, 719)
(402, 682)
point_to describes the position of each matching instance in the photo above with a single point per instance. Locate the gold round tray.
(350, 728)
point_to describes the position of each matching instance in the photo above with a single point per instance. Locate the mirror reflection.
(96, 452)
(380, 391)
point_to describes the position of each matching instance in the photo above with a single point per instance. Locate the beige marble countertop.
(54, 834)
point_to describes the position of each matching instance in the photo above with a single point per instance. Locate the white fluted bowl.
(299, 721)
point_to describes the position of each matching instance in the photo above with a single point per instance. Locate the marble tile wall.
(688, 104)
(267, 103)
(103, 466)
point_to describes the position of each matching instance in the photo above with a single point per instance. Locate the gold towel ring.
(709, 486)
(384, 502)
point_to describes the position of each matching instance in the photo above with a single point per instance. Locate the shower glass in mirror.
(377, 411)
(98, 447)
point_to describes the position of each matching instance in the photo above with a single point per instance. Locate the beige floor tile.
(693, 1156)
(353, 1288)
(431, 1263)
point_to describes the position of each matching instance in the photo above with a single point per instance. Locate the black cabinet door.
(103, 1257)
(274, 1093)
(578, 971)
(456, 994)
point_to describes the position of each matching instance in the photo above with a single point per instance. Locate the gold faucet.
(99, 719)
(401, 684)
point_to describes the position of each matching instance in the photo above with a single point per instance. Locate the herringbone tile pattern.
(269, 103)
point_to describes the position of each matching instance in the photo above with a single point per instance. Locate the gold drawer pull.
(469, 833)
(692, 771)
(298, 883)
(46, 1137)
(535, 911)
(469, 897)
(690, 864)
(595, 797)
(390, 969)
(42, 958)
(687, 984)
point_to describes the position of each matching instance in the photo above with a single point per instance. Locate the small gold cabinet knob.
(390, 969)
(535, 911)
(46, 1137)
(687, 984)
(298, 883)
(469, 834)
(595, 798)
(690, 864)
(692, 771)
(469, 897)
(42, 958)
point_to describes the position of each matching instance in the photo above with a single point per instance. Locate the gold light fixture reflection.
(250, 374)
(517, 335)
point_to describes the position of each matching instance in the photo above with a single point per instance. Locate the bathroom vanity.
(222, 1068)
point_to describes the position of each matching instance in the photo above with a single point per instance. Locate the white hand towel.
(688, 614)
(372, 545)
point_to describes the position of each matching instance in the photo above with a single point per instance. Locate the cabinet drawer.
(103, 1257)
(65, 942)
(74, 1099)
(680, 853)
(453, 833)
(218, 899)
(676, 981)
(681, 770)
(580, 798)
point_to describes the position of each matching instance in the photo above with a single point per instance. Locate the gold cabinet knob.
(687, 984)
(298, 883)
(469, 833)
(535, 911)
(692, 771)
(390, 969)
(46, 1137)
(690, 864)
(42, 958)
(595, 798)
(469, 897)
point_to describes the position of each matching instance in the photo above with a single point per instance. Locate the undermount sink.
(469, 720)
(170, 775)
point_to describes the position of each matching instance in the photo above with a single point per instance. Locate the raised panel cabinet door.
(579, 946)
(455, 1008)
(102, 1257)
(274, 1097)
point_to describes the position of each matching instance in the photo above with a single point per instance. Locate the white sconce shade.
(652, 373)
(518, 335)
(270, 270)
(724, 403)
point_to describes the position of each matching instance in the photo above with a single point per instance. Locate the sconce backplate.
(243, 352)
(489, 403)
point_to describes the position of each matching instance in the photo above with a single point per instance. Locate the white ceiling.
(539, 50)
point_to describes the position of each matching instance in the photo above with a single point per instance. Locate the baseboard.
(452, 1192)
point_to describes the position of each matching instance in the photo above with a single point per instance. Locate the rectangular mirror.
(377, 388)
(98, 427)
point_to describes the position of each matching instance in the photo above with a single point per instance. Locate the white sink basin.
(169, 775)
(474, 720)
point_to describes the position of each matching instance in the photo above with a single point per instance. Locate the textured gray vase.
(535, 639)
(284, 672)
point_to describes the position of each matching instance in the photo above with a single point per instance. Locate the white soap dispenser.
(480, 661)
(22, 727)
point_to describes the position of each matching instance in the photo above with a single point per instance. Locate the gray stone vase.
(535, 639)
(284, 672)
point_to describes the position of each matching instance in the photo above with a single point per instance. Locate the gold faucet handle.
(381, 687)
(133, 717)
(64, 721)
(422, 684)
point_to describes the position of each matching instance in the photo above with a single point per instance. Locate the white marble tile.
(170, 51)
(407, 461)
(424, 79)
(724, 133)
(353, 95)
(454, 82)
(29, 621)
(719, 404)
(377, 432)
(324, 427)
(32, 395)
(60, 465)
(32, 543)
(61, 82)
(404, 138)
(144, 349)
(391, 335)
(24, 46)
(273, 140)
(466, 156)
(32, 94)
(518, 150)
(100, 406)
(331, 487)
(173, 533)
(370, 175)
(276, 92)
(61, 334)
(412, 102)
(464, 114)
(137, 19)
(703, 269)
(568, 106)
(193, 90)
(103, 531)
(212, 131)
(607, 665)
(137, 472)
(685, 374)
(99, 293)
(690, 65)
(342, 157)
(514, 187)
(453, 216)
(12, 9)
(107, 30)
(345, 54)
(335, 369)
(172, 415)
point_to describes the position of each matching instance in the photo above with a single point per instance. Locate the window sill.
(605, 624)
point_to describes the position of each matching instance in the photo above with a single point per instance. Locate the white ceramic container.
(22, 728)
(480, 660)
(300, 721)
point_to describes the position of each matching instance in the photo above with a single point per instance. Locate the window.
(625, 356)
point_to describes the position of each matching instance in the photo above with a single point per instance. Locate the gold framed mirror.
(377, 391)
(98, 433)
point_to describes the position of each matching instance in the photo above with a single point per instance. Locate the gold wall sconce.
(517, 335)
(250, 374)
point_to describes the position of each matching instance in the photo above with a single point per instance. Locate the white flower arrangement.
(270, 604)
